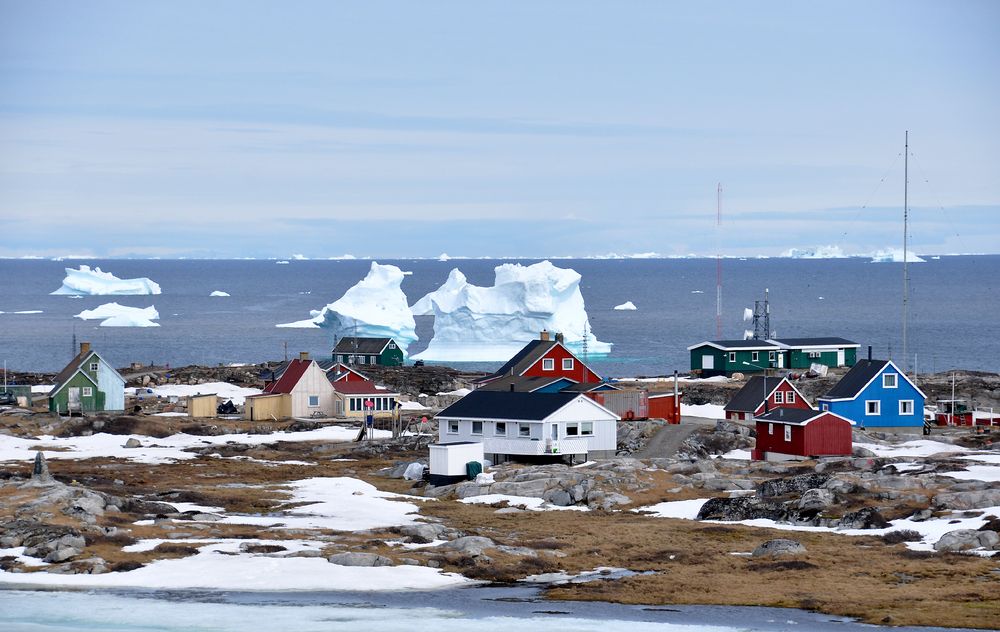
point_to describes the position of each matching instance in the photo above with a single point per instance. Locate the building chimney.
(84, 348)
(869, 353)
(544, 335)
(304, 356)
(511, 387)
(560, 338)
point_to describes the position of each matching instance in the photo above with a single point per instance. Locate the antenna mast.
(718, 263)
(906, 213)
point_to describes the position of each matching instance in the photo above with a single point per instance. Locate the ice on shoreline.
(115, 315)
(98, 283)
(487, 324)
(375, 307)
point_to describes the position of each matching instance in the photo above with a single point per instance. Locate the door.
(707, 362)
(840, 357)
(74, 398)
(781, 360)
(555, 432)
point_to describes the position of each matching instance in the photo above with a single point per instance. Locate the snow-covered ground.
(521, 502)
(919, 447)
(96, 282)
(711, 411)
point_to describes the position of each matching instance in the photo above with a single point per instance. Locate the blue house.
(876, 394)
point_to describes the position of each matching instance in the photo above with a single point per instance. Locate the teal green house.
(367, 351)
(725, 357)
(88, 384)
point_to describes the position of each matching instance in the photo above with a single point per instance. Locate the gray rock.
(968, 500)
(815, 500)
(40, 471)
(779, 546)
(864, 518)
(359, 559)
(791, 485)
(133, 443)
(427, 532)
(597, 499)
(965, 539)
(471, 545)
(522, 551)
(840, 486)
(558, 497)
(741, 508)
(860, 452)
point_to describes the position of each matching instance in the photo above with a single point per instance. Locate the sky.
(503, 129)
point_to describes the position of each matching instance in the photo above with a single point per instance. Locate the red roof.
(296, 369)
(360, 388)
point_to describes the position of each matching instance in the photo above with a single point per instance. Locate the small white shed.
(448, 460)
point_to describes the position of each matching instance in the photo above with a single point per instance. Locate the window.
(824, 407)
(889, 380)
(814, 354)
(501, 429)
(779, 397)
(587, 428)
(732, 356)
(88, 391)
(567, 364)
(353, 403)
(93, 366)
(361, 359)
(572, 429)
(770, 429)
(452, 427)
(392, 345)
(788, 433)
(548, 364)
(790, 397)
(342, 358)
(771, 356)
(477, 427)
(873, 407)
(524, 430)
(755, 356)
(314, 400)
(906, 407)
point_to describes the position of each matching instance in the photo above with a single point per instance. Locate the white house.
(308, 389)
(513, 425)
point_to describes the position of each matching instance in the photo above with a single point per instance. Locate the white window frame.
(586, 429)
(902, 407)
(392, 345)
(572, 429)
(452, 427)
(877, 407)
(548, 364)
(824, 407)
(755, 356)
(94, 366)
(895, 380)
(474, 431)
(314, 401)
(732, 356)
(789, 397)
(361, 359)
(524, 430)
(788, 432)
(770, 429)
(772, 356)
(567, 364)
(500, 429)
(87, 391)
(815, 354)
(779, 397)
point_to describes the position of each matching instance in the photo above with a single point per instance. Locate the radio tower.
(718, 263)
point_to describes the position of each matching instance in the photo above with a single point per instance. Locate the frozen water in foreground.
(115, 315)
(374, 308)
(98, 283)
(486, 324)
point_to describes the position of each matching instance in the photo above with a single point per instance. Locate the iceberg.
(115, 315)
(626, 306)
(375, 307)
(98, 283)
(818, 252)
(219, 293)
(487, 324)
(895, 255)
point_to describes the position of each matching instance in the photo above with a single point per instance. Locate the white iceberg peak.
(98, 283)
(626, 306)
(488, 324)
(374, 307)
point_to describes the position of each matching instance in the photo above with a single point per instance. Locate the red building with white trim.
(795, 434)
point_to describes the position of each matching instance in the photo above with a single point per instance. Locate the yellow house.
(273, 406)
(203, 405)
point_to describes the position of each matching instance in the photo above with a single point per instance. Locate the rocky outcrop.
(777, 547)
(359, 559)
(966, 539)
(741, 508)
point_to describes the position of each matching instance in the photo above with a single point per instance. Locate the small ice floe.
(697, 292)
(219, 293)
(626, 306)
(29, 311)
(282, 262)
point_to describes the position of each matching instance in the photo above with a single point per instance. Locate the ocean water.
(954, 307)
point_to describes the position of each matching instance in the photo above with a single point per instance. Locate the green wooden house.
(725, 357)
(801, 353)
(367, 351)
(87, 384)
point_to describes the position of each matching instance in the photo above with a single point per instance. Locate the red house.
(339, 372)
(544, 358)
(776, 392)
(793, 433)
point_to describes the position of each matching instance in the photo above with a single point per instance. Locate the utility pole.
(718, 262)
(906, 213)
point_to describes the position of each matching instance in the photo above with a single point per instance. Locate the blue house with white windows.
(876, 394)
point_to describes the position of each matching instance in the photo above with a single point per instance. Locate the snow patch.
(96, 282)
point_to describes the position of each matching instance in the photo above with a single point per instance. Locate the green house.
(87, 384)
(367, 351)
(802, 353)
(725, 357)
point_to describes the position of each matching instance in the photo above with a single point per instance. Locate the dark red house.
(777, 392)
(794, 433)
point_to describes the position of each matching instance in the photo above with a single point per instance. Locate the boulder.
(864, 518)
(965, 539)
(558, 497)
(815, 500)
(740, 508)
(863, 453)
(471, 545)
(133, 443)
(968, 500)
(427, 532)
(779, 546)
(597, 499)
(791, 485)
(359, 559)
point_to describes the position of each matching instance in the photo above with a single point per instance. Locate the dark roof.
(856, 379)
(816, 342)
(750, 397)
(71, 369)
(738, 344)
(586, 387)
(481, 404)
(524, 358)
(360, 388)
(791, 415)
(521, 383)
(364, 345)
(336, 370)
(289, 377)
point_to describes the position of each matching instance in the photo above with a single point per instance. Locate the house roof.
(361, 388)
(855, 380)
(289, 377)
(336, 370)
(814, 342)
(71, 369)
(351, 344)
(482, 404)
(797, 416)
(753, 393)
(744, 345)
(586, 387)
(526, 357)
(522, 383)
